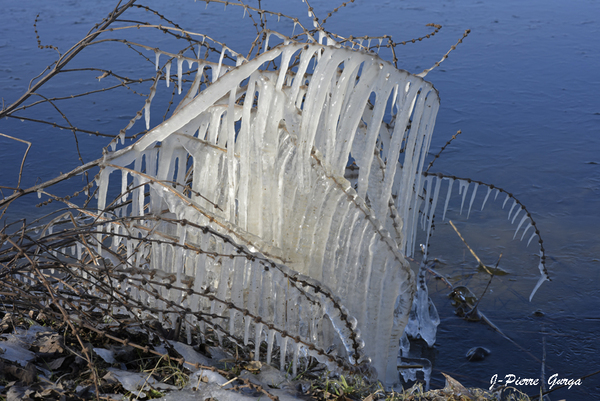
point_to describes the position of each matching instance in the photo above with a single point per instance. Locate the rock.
(477, 354)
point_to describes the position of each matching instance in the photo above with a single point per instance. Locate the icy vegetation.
(277, 204)
(271, 149)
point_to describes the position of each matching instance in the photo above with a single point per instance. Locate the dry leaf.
(253, 366)
(454, 387)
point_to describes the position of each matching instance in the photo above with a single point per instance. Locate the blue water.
(523, 88)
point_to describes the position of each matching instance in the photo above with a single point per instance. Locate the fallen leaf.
(454, 387)
(57, 363)
(253, 366)
(27, 375)
(49, 343)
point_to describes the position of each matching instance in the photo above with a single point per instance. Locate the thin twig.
(67, 57)
(469, 248)
(442, 149)
(24, 156)
(425, 72)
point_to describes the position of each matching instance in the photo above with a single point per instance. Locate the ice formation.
(431, 197)
(255, 165)
(277, 206)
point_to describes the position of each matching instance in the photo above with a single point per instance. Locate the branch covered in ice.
(464, 184)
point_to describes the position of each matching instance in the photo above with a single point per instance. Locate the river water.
(523, 89)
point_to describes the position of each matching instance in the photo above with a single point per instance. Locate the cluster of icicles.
(314, 173)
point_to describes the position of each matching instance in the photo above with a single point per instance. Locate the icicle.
(124, 185)
(529, 225)
(168, 68)
(463, 188)
(147, 113)
(506, 200)
(179, 72)
(543, 278)
(282, 352)
(149, 101)
(394, 97)
(436, 195)
(472, 199)
(516, 214)
(511, 209)
(532, 235)
(321, 36)
(217, 73)
(267, 41)
(489, 191)
(270, 343)
(231, 173)
(428, 182)
(156, 56)
(450, 182)
(244, 15)
(258, 329)
(294, 29)
(519, 226)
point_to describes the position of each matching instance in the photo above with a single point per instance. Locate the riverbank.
(127, 361)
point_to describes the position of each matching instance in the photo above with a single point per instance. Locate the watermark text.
(513, 380)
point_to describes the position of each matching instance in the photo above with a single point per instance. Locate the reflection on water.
(523, 89)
